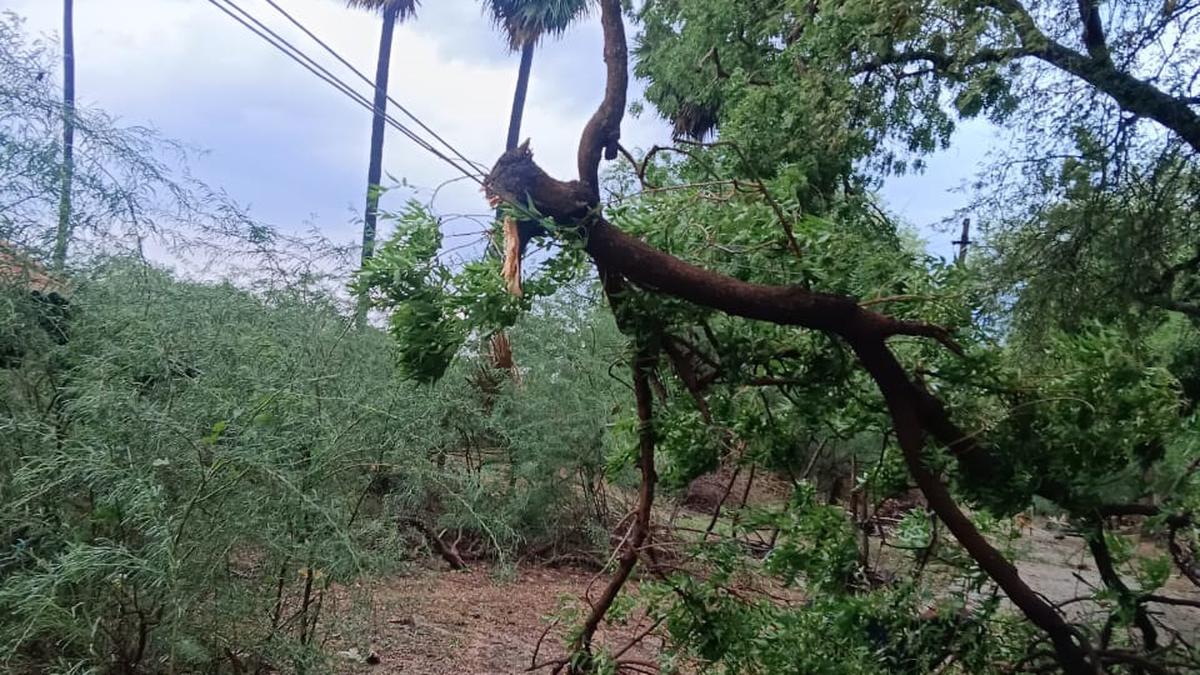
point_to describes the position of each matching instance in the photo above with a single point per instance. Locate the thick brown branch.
(603, 130)
(642, 368)
(912, 409)
(897, 390)
(624, 256)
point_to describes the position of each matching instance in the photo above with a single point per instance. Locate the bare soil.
(1057, 565)
(438, 621)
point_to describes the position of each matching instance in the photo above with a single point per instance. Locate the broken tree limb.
(517, 180)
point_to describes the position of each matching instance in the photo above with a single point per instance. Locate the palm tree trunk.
(514, 134)
(518, 107)
(518, 111)
(63, 234)
(375, 165)
(375, 168)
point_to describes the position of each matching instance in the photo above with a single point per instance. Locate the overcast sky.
(295, 150)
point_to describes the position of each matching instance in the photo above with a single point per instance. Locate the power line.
(308, 63)
(291, 52)
(368, 80)
(297, 55)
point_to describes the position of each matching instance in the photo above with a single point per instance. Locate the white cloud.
(290, 144)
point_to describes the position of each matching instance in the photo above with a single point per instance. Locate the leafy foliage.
(195, 450)
(188, 474)
(130, 183)
(432, 308)
(527, 21)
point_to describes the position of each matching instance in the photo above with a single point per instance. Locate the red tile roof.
(18, 268)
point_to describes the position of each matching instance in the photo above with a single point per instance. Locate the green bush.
(185, 478)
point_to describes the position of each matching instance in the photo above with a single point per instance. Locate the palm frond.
(404, 9)
(525, 21)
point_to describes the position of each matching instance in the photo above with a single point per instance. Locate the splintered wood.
(512, 256)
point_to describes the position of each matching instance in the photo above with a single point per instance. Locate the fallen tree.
(624, 261)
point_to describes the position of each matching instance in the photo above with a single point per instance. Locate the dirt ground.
(436, 622)
(1057, 565)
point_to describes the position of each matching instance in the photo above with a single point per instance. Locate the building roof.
(18, 268)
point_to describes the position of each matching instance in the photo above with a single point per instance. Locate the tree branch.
(1171, 305)
(642, 367)
(603, 130)
(1112, 579)
(1093, 31)
(942, 63)
(517, 180)
(866, 332)
(1095, 68)
(1178, 519)
(1130, 93)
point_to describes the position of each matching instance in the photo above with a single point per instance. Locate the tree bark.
(898, 392)
(63, 235)
(1093, 30)
(1096, 68)
(1131, 94)
(642, 367)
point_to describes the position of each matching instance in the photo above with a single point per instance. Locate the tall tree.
(1105, 106)
(68, 113)
(710, 283)
(393, 11)
(524, 23)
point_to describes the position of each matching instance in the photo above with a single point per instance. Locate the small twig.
(638, 638)
(537, 648)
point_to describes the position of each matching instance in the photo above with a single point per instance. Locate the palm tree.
(524, 23)
(63, 235)
(393, 11)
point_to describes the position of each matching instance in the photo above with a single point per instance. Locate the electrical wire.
(291, 51)
(333, 52)
(308, 63)
(296, 54)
